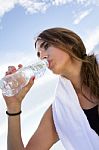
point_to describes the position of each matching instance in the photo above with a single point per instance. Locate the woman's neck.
(74, 74)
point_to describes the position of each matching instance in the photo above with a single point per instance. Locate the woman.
(73, 117)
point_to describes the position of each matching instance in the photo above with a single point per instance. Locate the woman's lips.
(49, 64)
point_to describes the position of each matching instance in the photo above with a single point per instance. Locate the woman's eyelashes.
(46, 45)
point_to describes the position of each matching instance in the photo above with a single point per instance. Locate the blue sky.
(22, 20)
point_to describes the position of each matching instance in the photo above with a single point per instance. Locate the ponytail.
(90, 75)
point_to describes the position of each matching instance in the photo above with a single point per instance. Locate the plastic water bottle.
(13, 83)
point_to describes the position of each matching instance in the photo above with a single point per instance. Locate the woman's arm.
(14, 140)
(14, 126)
(46, 135)
(43, 139)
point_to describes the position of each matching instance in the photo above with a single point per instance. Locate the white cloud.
(60, 2)
(88, 2)
(92, 40)
(32, 6)
(82, 2)
(81, 16)
(6, 6)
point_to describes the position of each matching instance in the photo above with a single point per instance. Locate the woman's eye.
(46, 45)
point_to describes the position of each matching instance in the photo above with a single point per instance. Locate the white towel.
(70, 121)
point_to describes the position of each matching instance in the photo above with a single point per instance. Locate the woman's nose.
(38, 54)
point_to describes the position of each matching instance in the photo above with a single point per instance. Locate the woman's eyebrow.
(42, 44)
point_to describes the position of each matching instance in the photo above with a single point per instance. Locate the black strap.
(13, 114)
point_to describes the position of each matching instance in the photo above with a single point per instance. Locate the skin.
(60, 63)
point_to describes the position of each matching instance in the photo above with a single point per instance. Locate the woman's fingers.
(6, 73)
(25, 90)
(12, 69)
(29, 85)
(20, 66)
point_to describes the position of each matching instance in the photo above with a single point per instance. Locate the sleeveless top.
(93, 118)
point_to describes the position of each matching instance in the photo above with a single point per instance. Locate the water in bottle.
(13, 83)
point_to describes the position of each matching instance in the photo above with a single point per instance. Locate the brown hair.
(70, 42)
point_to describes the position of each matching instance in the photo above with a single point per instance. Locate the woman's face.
(58, 60)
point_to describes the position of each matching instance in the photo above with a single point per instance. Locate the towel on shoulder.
(70, 121)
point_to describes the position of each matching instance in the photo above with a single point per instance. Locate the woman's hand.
(14, 102)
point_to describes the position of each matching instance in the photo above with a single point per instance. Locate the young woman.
(73, 117)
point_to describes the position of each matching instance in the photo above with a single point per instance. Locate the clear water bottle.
(13, 83)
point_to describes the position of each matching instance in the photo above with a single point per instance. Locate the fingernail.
(14, 69)
(20, 65)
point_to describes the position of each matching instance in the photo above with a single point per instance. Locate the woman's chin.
(55, 71)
